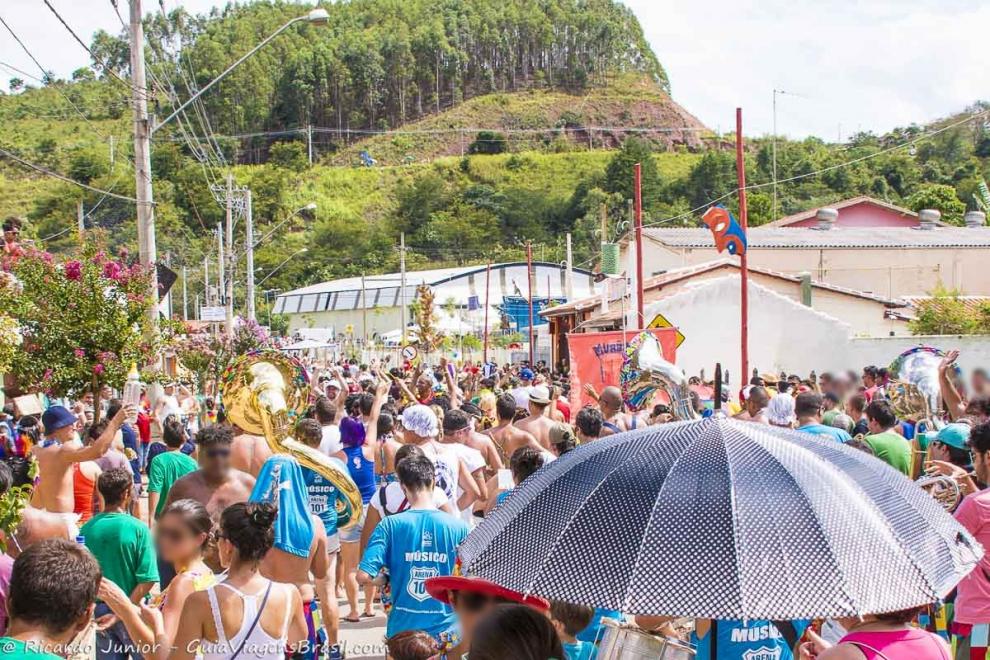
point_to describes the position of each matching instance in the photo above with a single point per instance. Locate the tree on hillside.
(712, 177)
(16, 85)
(940, 197)
(619, 173)
(488, 142)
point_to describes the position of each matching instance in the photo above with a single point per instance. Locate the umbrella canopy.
(723, 519)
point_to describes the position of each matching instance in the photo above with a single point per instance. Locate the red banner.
(596, 358)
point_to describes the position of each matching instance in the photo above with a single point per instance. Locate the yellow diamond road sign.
(660, 321)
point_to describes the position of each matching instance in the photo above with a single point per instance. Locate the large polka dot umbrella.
(722, 519)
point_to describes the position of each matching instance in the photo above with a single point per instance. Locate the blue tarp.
(517, 309)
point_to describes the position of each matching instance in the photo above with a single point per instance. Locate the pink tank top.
(910, 644)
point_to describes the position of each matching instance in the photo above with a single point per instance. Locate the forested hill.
(381, 63)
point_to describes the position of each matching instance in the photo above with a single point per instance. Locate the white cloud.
(867, 64)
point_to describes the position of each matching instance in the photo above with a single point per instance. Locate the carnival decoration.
(693, 512)
(728, 234)
(914, 392)
(644, 371)
(265, 393)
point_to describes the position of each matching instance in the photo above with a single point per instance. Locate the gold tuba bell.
(265, 393)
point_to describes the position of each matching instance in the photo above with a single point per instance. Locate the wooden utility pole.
(142, 157)
(80, 220)
(743, 267)
(402, 283)
(488, 289)
(229, 256)
(638, 209)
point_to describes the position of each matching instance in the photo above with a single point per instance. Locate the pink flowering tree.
(207, 356)
(83, 320)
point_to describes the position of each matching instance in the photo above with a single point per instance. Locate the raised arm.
(76, 454)
(950, 395)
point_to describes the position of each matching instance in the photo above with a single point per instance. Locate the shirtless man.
(506, 437)
(756, 406)
(60, 450)
(36, 525)
(248, 452)
(281, 565)
(482, 442)
(538, 424)
(216, 484)
(616, 421)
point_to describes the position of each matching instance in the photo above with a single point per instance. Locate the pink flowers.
(98, 369)
(73, 270)
(80, 353)
(111, 270)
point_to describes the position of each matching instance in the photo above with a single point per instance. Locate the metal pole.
(638, 207)
(185, 296)
(222, 276)
(488, 290)
(229, 256)
(364, 314)
(529, 278)
(249, 239)
(206, 283)
(142, 158)
(80, 219)
(196, 302)
(569, 275)
(168, 296)
(743, 267)
(402, 282)
(774, 152)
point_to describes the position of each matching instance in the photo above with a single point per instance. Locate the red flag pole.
(488, 289)
(638, 209)
(743, 266)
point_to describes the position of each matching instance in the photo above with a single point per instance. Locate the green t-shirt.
(892, 449)
(15, 649)
(123, 547)
(829, 416)
(164, 471)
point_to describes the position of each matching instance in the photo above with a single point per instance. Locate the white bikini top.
(260, 645)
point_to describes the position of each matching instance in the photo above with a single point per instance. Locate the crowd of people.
(163, 530)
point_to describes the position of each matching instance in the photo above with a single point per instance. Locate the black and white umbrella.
(722, 519)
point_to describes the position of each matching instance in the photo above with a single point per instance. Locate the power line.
(103, 65)
(42, 170)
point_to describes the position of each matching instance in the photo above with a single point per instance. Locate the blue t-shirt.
(580, 651)
(836, 434)
(322, 497)
(754, 640)
(130, 440)
(414, 546)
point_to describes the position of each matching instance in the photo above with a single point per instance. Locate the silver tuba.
(645, 371)
(944, 489)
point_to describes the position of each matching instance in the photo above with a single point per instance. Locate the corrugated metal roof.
(836, 238)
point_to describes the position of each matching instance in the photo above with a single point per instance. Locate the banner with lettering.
(596, 358)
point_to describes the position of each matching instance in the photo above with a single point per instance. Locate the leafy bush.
(488, 142)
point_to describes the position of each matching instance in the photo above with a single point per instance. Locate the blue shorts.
(353, 533)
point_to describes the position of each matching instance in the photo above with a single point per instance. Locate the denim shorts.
(353, 533)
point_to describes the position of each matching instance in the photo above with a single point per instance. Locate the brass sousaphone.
(265, 393)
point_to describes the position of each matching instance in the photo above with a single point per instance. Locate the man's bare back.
(508, 439)
(484, 444)
(249, 452)
(282, 566)
(215, 497)
(539, 427)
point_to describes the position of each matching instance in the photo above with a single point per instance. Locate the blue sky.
(847, 65)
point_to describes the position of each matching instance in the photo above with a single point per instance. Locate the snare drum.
(625, 642)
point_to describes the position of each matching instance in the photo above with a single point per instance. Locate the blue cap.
(954, 435)
(526, 373)
(57, 417)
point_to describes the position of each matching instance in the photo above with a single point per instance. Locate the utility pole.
(743, 262)
(638, 209)
(221, 285)
(488, 289)
(402, 282)
(80, 219)
(111, 151)
(142, 158)
(229, 256)
(249, 239)
(206, 284)
(529, 278)
(168, 296)
(185, 296)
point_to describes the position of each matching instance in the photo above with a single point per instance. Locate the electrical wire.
(55, 175)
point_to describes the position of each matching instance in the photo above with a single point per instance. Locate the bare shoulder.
(246, 478)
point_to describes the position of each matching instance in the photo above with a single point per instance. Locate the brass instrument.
(646, 371)
(944, 489)
(264, 393)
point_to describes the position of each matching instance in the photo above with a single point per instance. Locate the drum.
(625, 642)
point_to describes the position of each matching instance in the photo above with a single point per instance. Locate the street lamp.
(316, 16)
